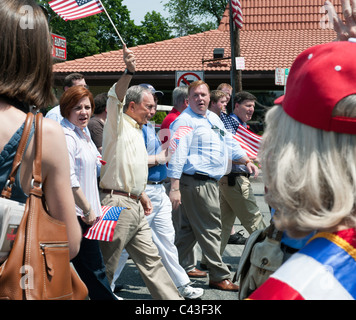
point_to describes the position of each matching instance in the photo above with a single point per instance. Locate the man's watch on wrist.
(127, 71)
(249, 160)
(87, 214)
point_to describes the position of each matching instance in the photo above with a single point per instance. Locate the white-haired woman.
(308, 156)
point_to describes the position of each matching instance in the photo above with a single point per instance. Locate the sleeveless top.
(7, 156)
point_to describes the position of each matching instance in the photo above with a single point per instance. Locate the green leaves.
(95, 34)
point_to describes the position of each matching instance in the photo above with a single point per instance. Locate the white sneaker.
(189, 292)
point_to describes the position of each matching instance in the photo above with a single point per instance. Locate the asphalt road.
(135, 289)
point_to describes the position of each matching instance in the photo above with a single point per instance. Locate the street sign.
(59, 47)
(185, 78)
(240, 63)
(281, 76)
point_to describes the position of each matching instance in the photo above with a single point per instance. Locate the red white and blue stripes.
(325, 269)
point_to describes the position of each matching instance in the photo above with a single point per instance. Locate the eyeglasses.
(221, 132)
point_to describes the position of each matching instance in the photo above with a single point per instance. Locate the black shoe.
(118, 288)
(203, 266)
(237, 238)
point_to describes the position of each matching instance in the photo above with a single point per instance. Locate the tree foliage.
(193, 16)
(95, 34)
(154, 28)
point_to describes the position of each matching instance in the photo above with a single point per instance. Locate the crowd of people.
(187, 186)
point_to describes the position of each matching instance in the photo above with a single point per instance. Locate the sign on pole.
(185, 78)
(281, 76)
(240, 63)
(59, 50)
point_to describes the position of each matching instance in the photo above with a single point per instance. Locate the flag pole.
(122, 41)
(233, 61)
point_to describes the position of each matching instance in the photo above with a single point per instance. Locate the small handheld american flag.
(76, 9)
(104, 227)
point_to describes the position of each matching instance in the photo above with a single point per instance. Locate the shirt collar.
(174, 110)
(132, 121)
(189, 109)
(69, 125)
(238, 119)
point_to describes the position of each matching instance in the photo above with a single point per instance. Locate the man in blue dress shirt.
(202, 152)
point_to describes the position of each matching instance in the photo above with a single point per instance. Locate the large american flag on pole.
(237, 13)
(76, 9)
(103, 229)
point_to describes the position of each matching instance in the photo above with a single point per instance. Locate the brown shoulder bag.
(38, 265)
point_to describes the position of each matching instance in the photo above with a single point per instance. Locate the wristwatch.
(127, 71)
(87, 214)
(247, 162)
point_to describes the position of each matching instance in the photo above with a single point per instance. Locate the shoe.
(237, 238)
(226, 285)
(117, 297)
(118, 288)
(189, 292)
(196, 273)
(203, 266)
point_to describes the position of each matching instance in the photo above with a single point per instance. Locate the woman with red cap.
(308, 155)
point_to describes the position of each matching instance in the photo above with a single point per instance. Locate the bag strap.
(273, 232)
(36, 183)
(7, 190)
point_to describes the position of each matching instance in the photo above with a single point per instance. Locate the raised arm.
(123, 83)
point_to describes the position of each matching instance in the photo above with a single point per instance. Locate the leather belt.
(200, 176)
(231, 181)
(239, 174)
(155, 182)
(122, 193)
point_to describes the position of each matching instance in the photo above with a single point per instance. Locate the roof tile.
(273, 34)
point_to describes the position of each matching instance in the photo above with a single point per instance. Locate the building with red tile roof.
(273, 34)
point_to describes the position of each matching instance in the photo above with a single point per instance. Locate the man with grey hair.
(124, 179)
(180, 103)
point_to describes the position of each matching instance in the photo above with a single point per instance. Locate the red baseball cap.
(319, 78)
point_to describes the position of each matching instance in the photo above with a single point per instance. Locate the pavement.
(135, 289)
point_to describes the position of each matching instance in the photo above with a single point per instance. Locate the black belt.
(201, 176)
(232, 175)
(122, 193)
(155, 182)
(239, 174)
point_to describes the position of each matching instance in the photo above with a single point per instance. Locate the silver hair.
(310, 174)
(135, 94)
(179, 95)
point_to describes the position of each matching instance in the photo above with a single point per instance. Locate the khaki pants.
(133, 233)
(238, 201)
(201, 223)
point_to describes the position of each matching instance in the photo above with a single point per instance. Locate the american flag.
(181, 132)
(103, 229)
(249, 141)
(237, 13)
(76, 9)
